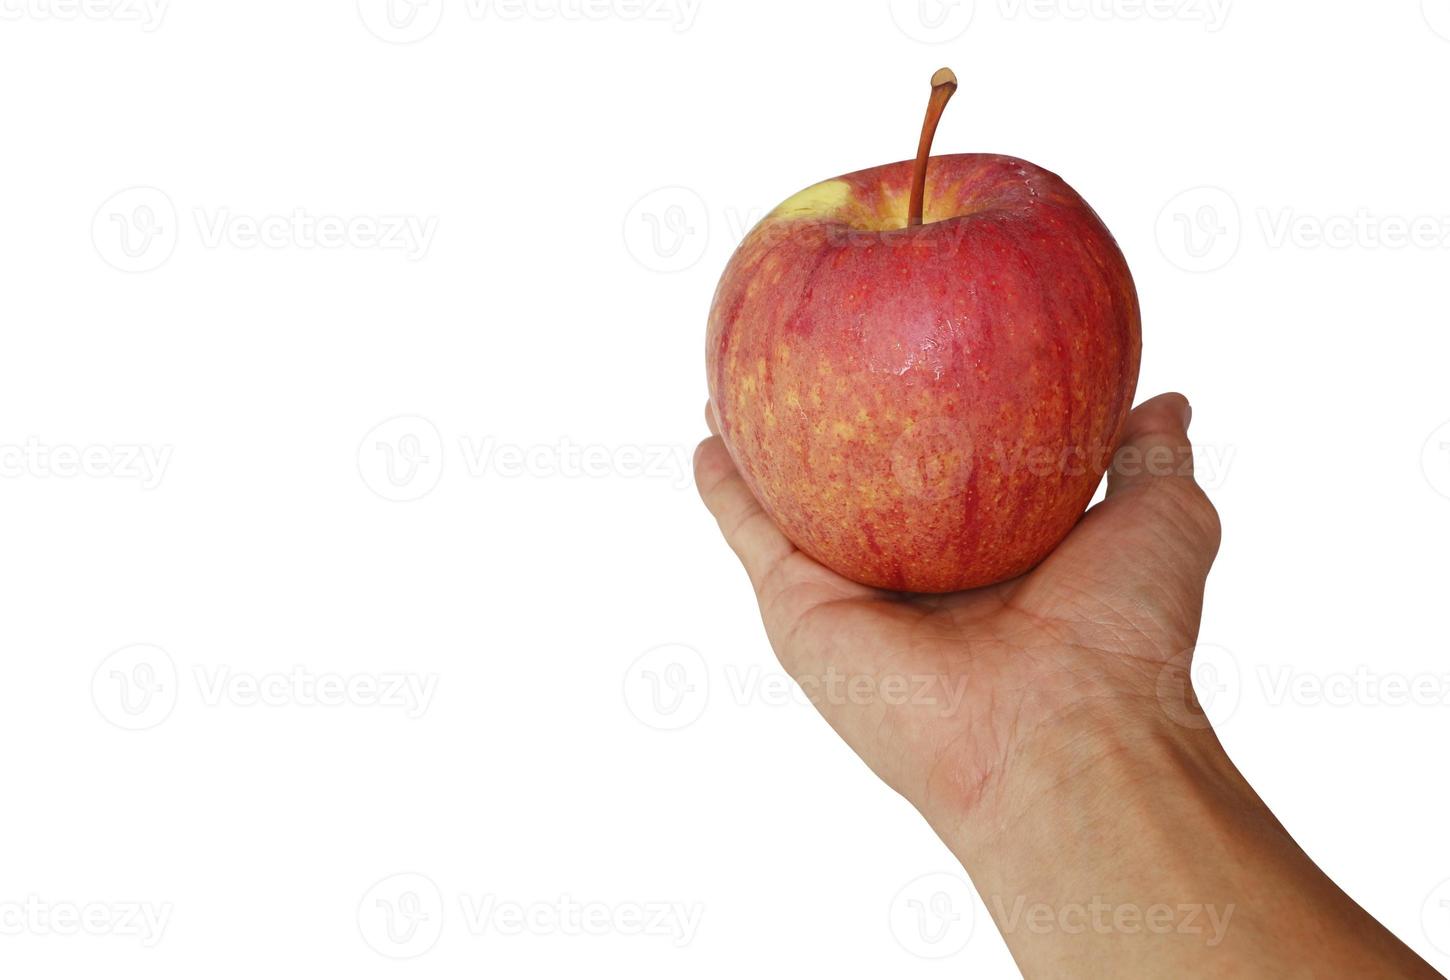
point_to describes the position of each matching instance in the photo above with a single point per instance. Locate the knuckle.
(1188, 506)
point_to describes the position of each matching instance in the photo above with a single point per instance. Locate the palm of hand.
(939, 693)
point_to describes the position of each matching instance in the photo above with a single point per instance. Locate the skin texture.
(1062, 756)
(926, 409)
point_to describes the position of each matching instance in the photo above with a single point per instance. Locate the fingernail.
(1187, 415)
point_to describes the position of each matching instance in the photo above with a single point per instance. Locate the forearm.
(1106, 838)
(1138, 850)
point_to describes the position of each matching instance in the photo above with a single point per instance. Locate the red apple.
(926, 407)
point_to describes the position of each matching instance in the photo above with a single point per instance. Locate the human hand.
(1031, 724)
(943, 695)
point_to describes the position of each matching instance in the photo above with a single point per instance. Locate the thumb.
(1154, 445)
(1155, 463)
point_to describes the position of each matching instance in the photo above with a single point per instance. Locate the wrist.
(1081, 770)
(1118, 835)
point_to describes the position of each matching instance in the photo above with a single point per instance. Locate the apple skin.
(926, 409)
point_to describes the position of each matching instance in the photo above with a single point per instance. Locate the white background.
(507, 233)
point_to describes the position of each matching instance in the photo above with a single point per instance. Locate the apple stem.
(943, 86)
